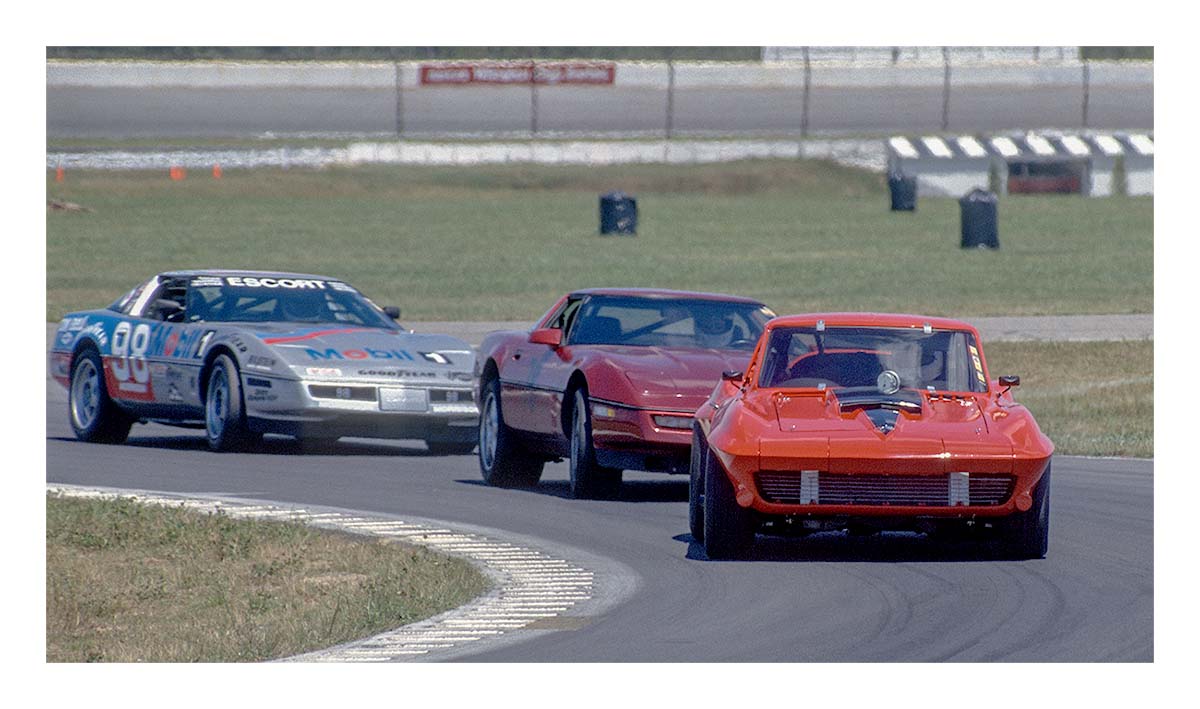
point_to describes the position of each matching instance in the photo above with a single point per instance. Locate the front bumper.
(309, 408)
(884, 493)
(637, 439)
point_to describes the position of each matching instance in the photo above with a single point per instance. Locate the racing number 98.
(129, 353)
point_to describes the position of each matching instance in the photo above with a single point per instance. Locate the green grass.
(1090, 398)
(127, 582)
(503, 242)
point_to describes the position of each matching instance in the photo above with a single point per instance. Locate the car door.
(142, 343)
(538, 379)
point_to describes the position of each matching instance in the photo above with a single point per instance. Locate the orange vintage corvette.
(867, 421)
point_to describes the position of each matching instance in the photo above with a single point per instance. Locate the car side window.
(566, 317)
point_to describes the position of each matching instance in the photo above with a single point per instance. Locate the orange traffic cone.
(60, 174)
(177, 173)
(217, 171)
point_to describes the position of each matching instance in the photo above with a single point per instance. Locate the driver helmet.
(713, 328)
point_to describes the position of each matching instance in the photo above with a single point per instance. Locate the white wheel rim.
(218, 403)
(85, 394)
(489, 426)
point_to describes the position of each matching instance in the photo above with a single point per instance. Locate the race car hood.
(674, 378)
(368, 353)
(946, 434)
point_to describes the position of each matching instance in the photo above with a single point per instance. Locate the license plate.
(403, 399)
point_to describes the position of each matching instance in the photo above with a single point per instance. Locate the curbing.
(537, 590)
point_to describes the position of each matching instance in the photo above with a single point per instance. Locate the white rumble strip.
(530, 585)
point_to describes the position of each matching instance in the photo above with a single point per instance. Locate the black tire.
(1026, 535)
(224, 409)
(728, 527)
(450, 447)
(589, 480)
(502, 460)
(95, 417)
(696, 485)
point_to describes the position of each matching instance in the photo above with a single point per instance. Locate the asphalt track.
(827, 598)
(174, 111)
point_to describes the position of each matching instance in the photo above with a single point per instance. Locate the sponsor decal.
(261, 395)
(398, 373)
(260, 362)
(170, 341)
(158, 369)
(206, 281)
(96, 330)
(365, 353)
(460, 376)
(338, 285)
(323, 372)
(253, 282)
(173, 393)
(518, 73)
(256, 382)
(238, 343)
(74, 324)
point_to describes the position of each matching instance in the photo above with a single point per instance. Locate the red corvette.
(867, 421)
(610, 379)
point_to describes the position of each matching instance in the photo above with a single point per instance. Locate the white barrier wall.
(645, 74)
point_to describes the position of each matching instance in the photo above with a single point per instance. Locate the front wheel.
(1026, 535)
(224, 411)
(94, 416)
(696, 486)
(502, 460)
(589, 480)
(728, 527)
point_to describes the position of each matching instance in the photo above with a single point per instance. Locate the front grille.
(451, 395)
(882, 490)
(345, 393)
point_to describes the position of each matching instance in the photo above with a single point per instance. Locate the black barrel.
(980, 224)
(904, 192)
(618, 213)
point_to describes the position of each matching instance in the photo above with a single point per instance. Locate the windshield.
(668, 322)
(884, 360)
(295, 300)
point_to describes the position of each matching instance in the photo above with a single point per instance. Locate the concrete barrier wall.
(688, 75)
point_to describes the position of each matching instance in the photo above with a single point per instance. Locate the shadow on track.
(630, 491)
(279, 445)
(889, 547)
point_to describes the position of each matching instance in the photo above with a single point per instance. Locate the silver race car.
(244, 353)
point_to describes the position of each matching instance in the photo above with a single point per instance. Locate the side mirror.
(732, 375)
(546, 336)
(392, 312)
(1010, 381)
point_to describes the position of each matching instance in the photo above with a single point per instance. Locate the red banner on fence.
(527, 73)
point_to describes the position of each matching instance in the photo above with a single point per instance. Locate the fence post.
(670, 96)
(533, 100)
(399, 98)
(1087, 80)
(807, 87)
(946, 88)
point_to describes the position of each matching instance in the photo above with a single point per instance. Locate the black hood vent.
(884, 419)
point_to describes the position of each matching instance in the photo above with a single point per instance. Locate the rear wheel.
(589, 480)
(696, 486)
(224, 411)
(1026, 535)
(502, 460)
(728, 527)
(94, 416)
